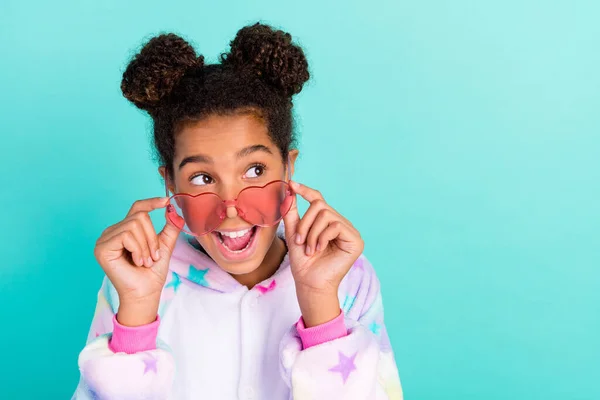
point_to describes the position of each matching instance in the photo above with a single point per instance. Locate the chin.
(245, 260)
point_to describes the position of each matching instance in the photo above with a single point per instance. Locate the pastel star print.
(198, 276)
(345, 366)
(149, 364)
(348, 303)
(175, 282)
(375, 327)
(265, 289)
(359, 263)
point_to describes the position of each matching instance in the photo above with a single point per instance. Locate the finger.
(130, 244)
(142, 207)
(321, 222)
(108, 232)
(308, 219)
(348, 233)
(150, 233)
(333, 231)
(346, 239)
(290, 222)
(122, 241)
(307, 193)
(148, 205)
(135, 227)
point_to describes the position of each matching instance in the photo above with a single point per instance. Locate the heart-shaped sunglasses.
(200, 214)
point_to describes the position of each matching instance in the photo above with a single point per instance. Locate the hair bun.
(270, 54)
(156, 69)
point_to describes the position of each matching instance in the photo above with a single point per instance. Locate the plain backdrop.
(461, 137)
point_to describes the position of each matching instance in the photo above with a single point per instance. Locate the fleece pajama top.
(216, 339)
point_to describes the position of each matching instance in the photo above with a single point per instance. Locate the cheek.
(266, 237)
(206, 241)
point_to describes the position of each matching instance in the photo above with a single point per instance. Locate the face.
(223, 155)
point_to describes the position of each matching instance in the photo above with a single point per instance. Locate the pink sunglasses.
(200, 214)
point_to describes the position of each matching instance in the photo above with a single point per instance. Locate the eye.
(201, 179)
(255, 171)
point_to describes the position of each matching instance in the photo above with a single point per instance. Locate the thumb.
(168, 237)
(290, 222)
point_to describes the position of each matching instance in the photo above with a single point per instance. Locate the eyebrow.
(246, 151)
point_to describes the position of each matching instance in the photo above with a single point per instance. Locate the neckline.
(190, 261)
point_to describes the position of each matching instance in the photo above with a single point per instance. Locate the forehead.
(222, 136)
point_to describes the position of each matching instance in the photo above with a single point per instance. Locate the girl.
(237, 297)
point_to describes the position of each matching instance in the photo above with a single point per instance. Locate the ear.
(292, 156)
(162, 170)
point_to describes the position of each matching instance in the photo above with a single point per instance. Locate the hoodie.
(216, 339)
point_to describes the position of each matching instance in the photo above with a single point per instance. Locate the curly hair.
(260, 74)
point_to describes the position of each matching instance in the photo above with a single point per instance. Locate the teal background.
(461, 137)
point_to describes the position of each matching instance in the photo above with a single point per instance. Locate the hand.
(136, 260)
(322, 247)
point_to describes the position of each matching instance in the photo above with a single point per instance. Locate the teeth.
(235, 234)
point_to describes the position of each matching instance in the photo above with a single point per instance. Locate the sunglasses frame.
(228, 203)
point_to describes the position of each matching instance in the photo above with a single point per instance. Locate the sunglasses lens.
(196, 215)
(267, 205)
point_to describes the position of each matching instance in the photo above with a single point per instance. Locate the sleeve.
(119, 362)
(358, 364)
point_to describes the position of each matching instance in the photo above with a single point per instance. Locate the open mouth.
(236, 242)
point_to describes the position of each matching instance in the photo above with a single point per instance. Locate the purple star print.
(345, 366)
(149, 364)
(359, 263)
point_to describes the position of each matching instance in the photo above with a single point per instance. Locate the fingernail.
(140, 262)
(149, 262)
(157, 255)
(293, 184)
(298, 238)
(308, 250)
(318, 247)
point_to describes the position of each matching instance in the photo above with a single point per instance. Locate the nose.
(230, 192)
(231, 212)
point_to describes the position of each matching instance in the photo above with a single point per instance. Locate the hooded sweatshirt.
(216, 339)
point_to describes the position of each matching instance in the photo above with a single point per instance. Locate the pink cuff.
(334, 329)
(126, 339)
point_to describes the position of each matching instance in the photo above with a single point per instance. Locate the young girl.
(237, 297)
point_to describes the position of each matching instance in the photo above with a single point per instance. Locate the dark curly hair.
(260, 75)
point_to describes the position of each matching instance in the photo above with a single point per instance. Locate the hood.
(190, 263)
